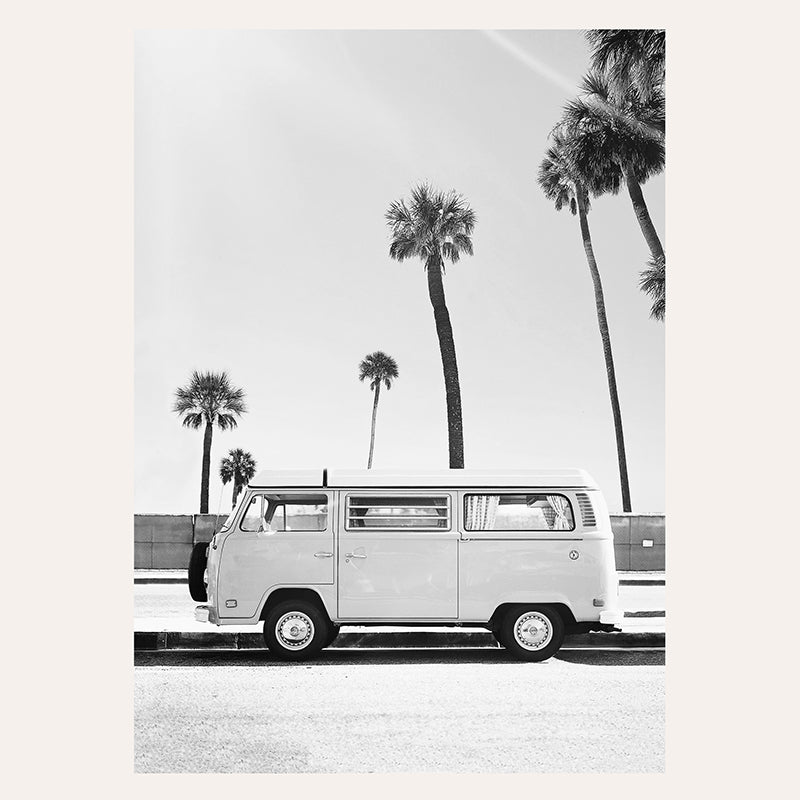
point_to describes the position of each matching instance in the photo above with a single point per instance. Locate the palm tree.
(635, 58)
(379, 368)
(437, 227)
(239, 467)
(653, 282)
(562, 183)
(208, 398)
(616, 132)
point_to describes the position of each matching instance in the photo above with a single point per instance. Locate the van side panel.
(533, 571)
(574, 567)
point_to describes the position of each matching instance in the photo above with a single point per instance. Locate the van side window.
(253, 519)
(518, 512)
(279, 513)
(392, 512)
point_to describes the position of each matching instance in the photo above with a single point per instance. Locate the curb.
(642, 582)
(222, 640)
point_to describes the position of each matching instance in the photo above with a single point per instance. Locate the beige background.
(68, 388)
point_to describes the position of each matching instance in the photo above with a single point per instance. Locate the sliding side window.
(393, 512)
(518, 512)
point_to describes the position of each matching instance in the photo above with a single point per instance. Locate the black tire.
(305, 630)
(334, 632)
(547, 625)
(197, 572)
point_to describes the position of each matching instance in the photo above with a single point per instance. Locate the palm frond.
(239, 466)
(653, 282)
(226, 422)
(210, 396)
(604, 135)
(557, 177)
(226, 470)
(434, 226)
(633, 59)
(377, 367)
(191, 420)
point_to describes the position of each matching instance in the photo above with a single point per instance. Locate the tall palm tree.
(208, 399)
(435, 227)
(562, 183)
(616, 132)
(239, 467)
(379, 368)
(629, 57)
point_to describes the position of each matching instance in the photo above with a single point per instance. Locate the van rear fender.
(504, 608)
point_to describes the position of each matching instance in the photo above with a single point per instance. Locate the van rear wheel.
(295, 630)
(532, 633)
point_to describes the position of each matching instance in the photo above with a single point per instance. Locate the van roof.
(412, 478)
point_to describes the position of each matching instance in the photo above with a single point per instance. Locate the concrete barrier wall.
(639, 541)
(164, 541)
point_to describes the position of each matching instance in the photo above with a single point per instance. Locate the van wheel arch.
(281, 595)
(496, 620)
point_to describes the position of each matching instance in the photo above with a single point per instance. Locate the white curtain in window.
(481, 511)
(560, 506)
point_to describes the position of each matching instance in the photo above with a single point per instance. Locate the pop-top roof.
(412, 478)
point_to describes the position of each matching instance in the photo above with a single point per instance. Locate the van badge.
(573, 554)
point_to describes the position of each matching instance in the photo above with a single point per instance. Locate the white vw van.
(527, 554)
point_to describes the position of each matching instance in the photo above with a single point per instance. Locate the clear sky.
(264, 162)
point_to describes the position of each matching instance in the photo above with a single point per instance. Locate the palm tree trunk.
(447, 347)
(602, 323)
(374, 415)
(205, 476)
(642, 214)
(237, 488)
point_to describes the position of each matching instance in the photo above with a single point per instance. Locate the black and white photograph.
(342, 329)
(399, 319)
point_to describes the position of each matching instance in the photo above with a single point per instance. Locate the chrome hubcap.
(533, 631)
(294, 630)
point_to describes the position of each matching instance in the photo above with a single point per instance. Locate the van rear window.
(391, 512)
(518, 512)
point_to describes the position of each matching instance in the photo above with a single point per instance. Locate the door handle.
(323, 555)
(354, 555)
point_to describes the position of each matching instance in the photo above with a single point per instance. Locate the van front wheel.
(295, 630)
(532, 633)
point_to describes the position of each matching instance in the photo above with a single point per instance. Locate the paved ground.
(400, 711)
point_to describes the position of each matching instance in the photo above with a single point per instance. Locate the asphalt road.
(399, 711)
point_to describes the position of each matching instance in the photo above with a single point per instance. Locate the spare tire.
(197, 572)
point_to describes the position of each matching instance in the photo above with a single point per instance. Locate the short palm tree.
(239, 467)
(435, 227)
(630, 57)
(562, 183)
(379, 369)
(208, 399)
(615, 132)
